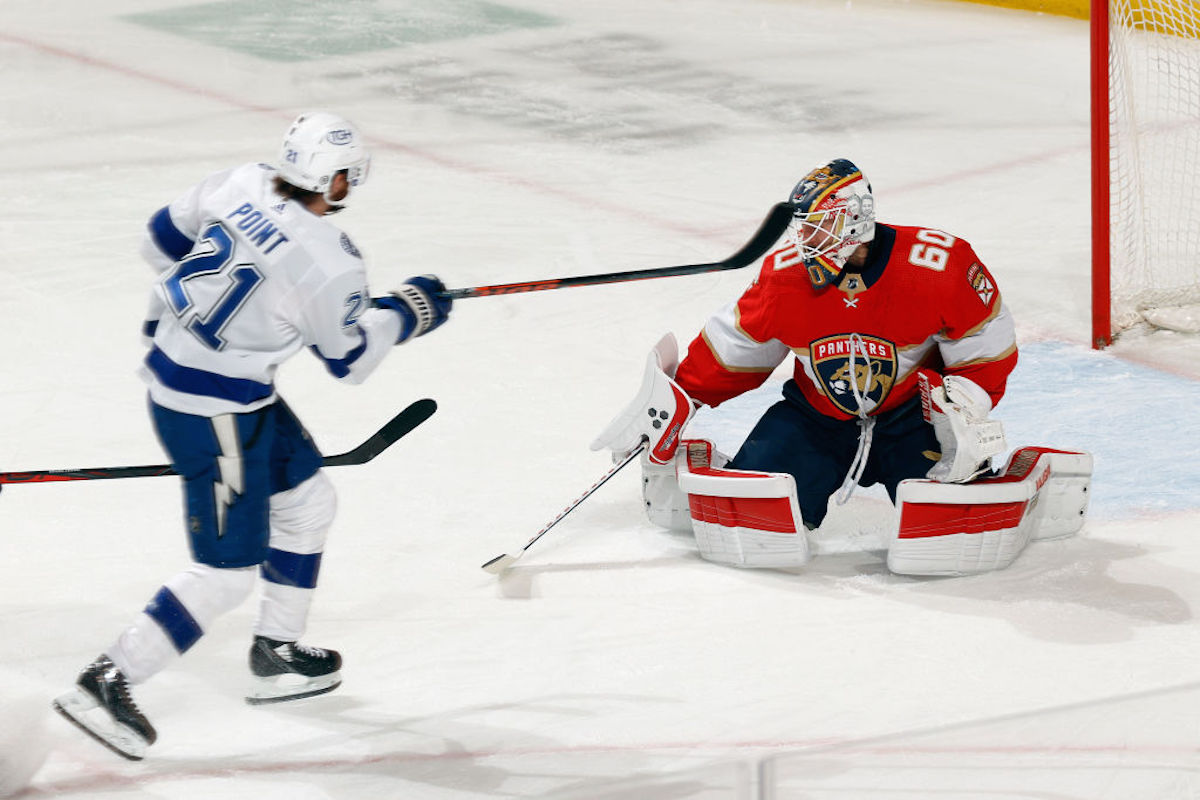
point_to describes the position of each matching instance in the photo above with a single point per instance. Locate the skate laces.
(116, 681)
(310, 651)
(289, 650)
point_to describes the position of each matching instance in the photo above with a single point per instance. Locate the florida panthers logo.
(871, 370)
(982, 283)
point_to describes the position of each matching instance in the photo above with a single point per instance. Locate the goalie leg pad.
(964, 529)
(741, 518)
(1060, 506)
(666, 504)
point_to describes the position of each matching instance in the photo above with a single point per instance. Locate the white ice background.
(533, 139)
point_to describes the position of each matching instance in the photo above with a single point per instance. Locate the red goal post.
(1145, 86)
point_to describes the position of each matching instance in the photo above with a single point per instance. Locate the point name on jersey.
(257, 227)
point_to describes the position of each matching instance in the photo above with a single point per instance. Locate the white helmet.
(834, 213)
(318, 146)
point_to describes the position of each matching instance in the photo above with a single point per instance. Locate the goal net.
(1146, 159)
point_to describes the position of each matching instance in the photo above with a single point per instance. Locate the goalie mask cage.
(1145, 79)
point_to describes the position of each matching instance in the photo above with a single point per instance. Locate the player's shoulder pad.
(783, 267)
(954, 261)
(933, 250)
(781, 259)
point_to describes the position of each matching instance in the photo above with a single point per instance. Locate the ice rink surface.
(529, 139)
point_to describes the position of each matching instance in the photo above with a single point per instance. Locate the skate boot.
(101, 706)
(291, 671)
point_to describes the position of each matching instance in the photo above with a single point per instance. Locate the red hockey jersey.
(923, 299)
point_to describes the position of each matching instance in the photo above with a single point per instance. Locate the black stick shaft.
(398, 426)
(768, 233)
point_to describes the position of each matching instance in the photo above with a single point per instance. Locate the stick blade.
(405, 421)
(500, 563)
(385, 437)
(768, 233)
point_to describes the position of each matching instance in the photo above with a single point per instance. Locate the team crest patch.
(873, 371)
(981, 282)
(349, 247)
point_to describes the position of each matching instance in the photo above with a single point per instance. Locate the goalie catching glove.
(957, 408)
(422, 304)
(658, 412)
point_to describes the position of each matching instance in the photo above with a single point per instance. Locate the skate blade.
(282, 688)
(84, 713)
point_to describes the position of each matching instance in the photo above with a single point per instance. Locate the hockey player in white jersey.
(249, 273)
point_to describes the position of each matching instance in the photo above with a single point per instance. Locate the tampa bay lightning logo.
(846, 362)
(349, 247)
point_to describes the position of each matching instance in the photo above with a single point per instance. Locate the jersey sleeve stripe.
(735, 349)
(734, 357)
(340, 367)
(994, 341)
(167, 237)
(998, 311)
(209, 384)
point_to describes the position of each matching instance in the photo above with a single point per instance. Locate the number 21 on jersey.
(210, 261)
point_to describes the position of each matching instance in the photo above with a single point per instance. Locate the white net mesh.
(1154, 95)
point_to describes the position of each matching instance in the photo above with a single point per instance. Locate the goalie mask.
(317, 147)
(834, 212)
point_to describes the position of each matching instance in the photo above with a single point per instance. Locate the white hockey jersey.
(248, 278)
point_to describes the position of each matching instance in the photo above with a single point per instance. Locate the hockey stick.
(505, 560)
(768, 233)
(379, 441)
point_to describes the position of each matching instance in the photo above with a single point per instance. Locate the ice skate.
(291, 671)
(101, 706)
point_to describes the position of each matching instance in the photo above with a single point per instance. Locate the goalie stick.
(396, 427)
(505, 560)
(772, 228)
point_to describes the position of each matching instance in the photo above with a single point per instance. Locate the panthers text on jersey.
(923, 299)
(247, 278)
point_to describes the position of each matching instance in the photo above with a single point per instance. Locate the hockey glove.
(658, 412)
(957, 408)
(421, 303)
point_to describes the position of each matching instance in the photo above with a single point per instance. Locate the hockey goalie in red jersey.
(902, 345)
